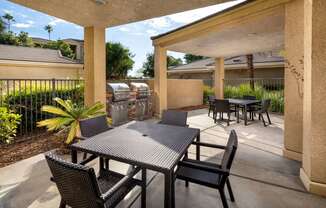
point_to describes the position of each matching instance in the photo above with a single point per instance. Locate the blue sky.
(135, 36)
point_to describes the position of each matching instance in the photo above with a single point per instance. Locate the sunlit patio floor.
(261, 177)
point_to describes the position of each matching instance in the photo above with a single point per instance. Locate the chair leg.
(106, 164)
(262, 118)
(84, 156)
(62, 204)
(269, 120)
(228, 184)
(223, 198)
(228, 119)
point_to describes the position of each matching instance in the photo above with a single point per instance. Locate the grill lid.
(117, 87)
(136, 86)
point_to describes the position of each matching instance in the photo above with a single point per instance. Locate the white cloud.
(78, 27)
(22, 25)
(30, 22)
(8, 11)
(193, 15)
(161, 22)
(56, 21)
(152, 32)
(124, 29)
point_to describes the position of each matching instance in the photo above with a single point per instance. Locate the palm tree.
(9, 19)
(49, 29)
(2, 25)
(68, 116)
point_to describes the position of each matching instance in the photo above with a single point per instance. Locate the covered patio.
(260, 26)
(267, 172)
(260, 176)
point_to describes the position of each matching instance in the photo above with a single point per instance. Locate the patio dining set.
(246, 104)
(161, 147)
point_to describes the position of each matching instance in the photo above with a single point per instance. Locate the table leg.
(237, 113)
(143, 188)
(169, 201)
(73, 156)
(245, 115)
(198, 148)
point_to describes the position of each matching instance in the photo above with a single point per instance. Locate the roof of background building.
(19, 53)
(258, 58)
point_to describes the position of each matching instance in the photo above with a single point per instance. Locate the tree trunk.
(251, 70)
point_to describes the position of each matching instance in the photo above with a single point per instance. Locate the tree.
(2, 26)
(191, 58)
(118, 61)
(8, 38)
(62, 46)
(9, 19)
(24, 39)
(148, 65)
(49, 29)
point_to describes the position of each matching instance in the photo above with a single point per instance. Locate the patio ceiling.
(106, 13)
(222, 35)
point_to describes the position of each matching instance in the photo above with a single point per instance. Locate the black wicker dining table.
(150, 146)
(245, 104)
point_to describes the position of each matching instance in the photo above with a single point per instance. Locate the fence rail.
(27, 96)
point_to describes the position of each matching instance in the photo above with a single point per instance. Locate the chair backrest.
(229, 153)
(77, 184)
(92, 126)
(222, 106)
(249, 97)
(174, 117)
(265, 104)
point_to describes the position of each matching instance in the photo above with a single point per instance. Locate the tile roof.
(258, 58)
(19, 53)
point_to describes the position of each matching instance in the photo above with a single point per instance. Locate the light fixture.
(100, 2)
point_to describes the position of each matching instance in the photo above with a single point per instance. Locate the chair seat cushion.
(107, 180)
(201, 177)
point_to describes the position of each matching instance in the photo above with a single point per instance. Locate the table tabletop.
(243, 102)
(150, 145)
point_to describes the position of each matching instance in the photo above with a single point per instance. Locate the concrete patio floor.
(260, 178)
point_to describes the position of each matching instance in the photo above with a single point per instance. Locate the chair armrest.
(120, 184)
(203, 167)
(209, 145)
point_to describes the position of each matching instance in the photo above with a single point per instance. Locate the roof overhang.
(105, 13)
(250, 27)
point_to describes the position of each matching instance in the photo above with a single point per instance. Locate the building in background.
(266, 65)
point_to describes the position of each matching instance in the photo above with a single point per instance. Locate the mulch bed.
(24, 148)
(191, 108)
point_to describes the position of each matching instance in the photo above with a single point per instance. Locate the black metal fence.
(271, 84)
(27, 96)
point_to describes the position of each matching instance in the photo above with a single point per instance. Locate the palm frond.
(93, 110)
(55, 123)
(72, 133)
(55, 110)
(64, 103)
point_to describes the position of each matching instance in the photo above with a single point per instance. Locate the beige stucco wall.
(38, 70)
(182, 92)
(232, 74)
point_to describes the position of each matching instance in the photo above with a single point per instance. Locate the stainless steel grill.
(142, 99)
(118, 101)
(142, 90)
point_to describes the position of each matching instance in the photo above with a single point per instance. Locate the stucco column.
(160, 79)
(293, 74)
(219, 78)
(94, 65)
(313, 173)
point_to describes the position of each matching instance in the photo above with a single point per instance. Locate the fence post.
(53, 90)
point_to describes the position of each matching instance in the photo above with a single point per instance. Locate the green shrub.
(28, 104)
(8, 125)
(207, 92)
(277, 97)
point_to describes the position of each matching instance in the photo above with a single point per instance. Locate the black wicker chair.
(265, 104)
(209, 174)
(221, 107)
(91, 127)
(211, 105)
(79, 187)
(251, 108)
(174, 117)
